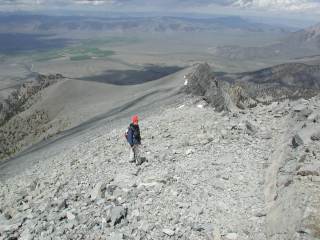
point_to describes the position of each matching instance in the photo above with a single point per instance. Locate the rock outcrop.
(226, 91)
(201, 82)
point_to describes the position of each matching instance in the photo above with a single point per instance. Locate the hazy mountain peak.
(310, 35)
(315, 30)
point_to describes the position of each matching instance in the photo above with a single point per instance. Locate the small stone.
(315, 136)
(197, 228)
(33, 185)
(266, 135)
(309, 170)
(144, 226)
(315, 179)
(25, 206)
(194, 182)
(314, 118)
(117, 214)
(209, 139)
(260, 214)
(296, 141)
(168, 231)
(26, 235)
(224, 134)
(250, 128)
(98, 191)
(62, 204)
(189, 151)
(149, 201)
(135, 213)
(299, 107)
(231, 236)
(116, 236)
(302, 112)
(103, 222)
(202, 104)
(101, 201)
(70, 216)
(225, 177)
(216, 234)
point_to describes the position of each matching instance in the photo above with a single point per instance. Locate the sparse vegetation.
(80, 58)
(83, 53)
(47, 55)
(78, 53)
(111, 41)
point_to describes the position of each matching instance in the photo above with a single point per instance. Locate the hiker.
(134, 139)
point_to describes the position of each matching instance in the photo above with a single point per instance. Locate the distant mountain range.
(302, 43)
(44, 24)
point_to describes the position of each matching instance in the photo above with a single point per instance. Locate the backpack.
(126, 134)
(136, 133)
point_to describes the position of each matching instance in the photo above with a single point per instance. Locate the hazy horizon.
(286, 12)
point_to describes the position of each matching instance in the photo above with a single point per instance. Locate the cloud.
(53, 2)
(207, 6)
(50, 4)
(94, 2)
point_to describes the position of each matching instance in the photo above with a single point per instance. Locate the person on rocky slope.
(134, 139)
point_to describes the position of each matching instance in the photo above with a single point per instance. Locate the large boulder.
(202, 83)
(200, 80)
(222, 94)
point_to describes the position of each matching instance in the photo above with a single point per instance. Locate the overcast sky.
(297, 8)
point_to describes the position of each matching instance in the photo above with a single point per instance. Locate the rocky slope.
(293, 177)
(40, 111)
(226, 91)
(250, 174)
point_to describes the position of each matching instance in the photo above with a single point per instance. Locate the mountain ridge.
(302, 43)
(42, 23)
(226, 91)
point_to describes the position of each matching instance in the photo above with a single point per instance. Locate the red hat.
(135, 119)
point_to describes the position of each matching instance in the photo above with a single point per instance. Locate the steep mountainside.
(252, 174)
(309, 38)
(41, 109)
(226, 91)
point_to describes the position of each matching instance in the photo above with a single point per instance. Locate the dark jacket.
(134, 137)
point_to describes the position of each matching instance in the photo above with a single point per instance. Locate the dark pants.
(135, 154)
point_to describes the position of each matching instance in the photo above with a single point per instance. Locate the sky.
(290, 8)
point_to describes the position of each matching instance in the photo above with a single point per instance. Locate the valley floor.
(204, 178)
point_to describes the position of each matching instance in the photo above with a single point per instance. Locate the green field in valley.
(85, 50)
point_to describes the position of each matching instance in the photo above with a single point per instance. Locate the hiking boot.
(138, 162)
